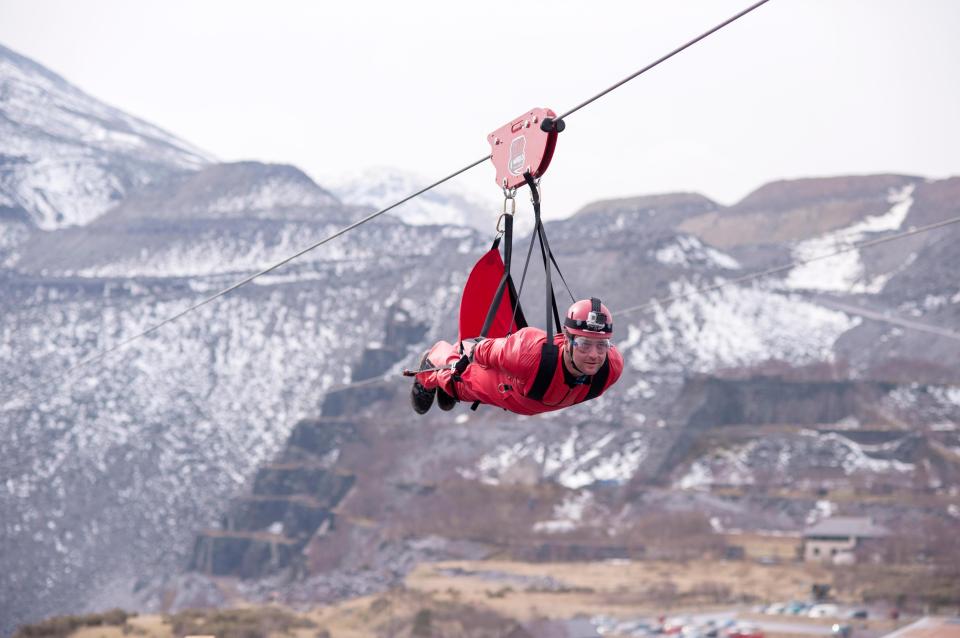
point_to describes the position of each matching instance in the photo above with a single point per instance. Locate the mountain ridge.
(110, 477)
(66, 157)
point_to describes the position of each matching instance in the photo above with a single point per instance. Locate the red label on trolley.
(521, 146)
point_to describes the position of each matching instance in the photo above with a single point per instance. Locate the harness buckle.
(509, 197)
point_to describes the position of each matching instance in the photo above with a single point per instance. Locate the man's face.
(589, 354)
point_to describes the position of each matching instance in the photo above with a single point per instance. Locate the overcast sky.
(797, 88)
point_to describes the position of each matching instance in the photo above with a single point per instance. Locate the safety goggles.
(584, 344)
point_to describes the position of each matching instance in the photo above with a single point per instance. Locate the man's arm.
(517, 355)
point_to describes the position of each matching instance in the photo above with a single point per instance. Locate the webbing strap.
(562, 278)
(549, 354)
(551, 296)
(506, 282)
(551, 300)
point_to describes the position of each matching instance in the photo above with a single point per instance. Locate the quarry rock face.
(268, 436)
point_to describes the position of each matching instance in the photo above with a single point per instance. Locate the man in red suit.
(522, 373)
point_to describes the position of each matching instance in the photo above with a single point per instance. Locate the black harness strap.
(562, 278)
(549, 354)
(551, 299)
(551, 296)
(506, 282)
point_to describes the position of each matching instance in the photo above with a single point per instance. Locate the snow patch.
(573, 462)
(735, 327)
(275, 192)
(568, 515)
(845, 272)
(688, 251)
(773, 460)
(948, 395)
(379, 187)
(822, 509)
(70, 157)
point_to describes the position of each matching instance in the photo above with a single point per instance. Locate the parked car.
(634, 628)
(745, 631)
(842, 631)
(857, 613)
(774, 608)
(795, 607)
(824, 610)
(675, 625)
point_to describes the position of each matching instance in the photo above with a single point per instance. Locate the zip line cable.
(380, 379)
(664, 58)
(103, 353)
(893, 320)
(100, 355)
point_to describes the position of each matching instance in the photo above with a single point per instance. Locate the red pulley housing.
(521, 146)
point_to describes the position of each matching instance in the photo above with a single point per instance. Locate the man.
(522, 373)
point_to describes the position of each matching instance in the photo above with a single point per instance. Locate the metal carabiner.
(500, 230)
(509, 195)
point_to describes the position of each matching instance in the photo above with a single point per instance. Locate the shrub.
(422, 624)
(236, 623)
(65, 625)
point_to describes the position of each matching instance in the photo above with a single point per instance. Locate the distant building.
(839, 539)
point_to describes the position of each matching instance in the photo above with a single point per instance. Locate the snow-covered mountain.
(448, 204)
(108, 476)
(169, 427)
(221, 219)
(66, 157)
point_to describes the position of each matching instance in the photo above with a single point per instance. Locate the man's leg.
(426, 383)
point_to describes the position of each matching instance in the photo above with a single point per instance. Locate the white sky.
(797, 88)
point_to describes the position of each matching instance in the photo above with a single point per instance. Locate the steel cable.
(100, 355)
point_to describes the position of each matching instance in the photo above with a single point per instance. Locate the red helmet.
(589, 318)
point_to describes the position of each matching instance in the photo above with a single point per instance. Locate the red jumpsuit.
(503, 371)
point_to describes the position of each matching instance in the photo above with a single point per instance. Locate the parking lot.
(793, 619)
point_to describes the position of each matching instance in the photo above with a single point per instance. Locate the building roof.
(858, 526)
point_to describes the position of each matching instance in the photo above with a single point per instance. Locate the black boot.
(445, 401)
(420, 397)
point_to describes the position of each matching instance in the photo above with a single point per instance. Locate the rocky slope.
(217, 443)
(66, 157)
